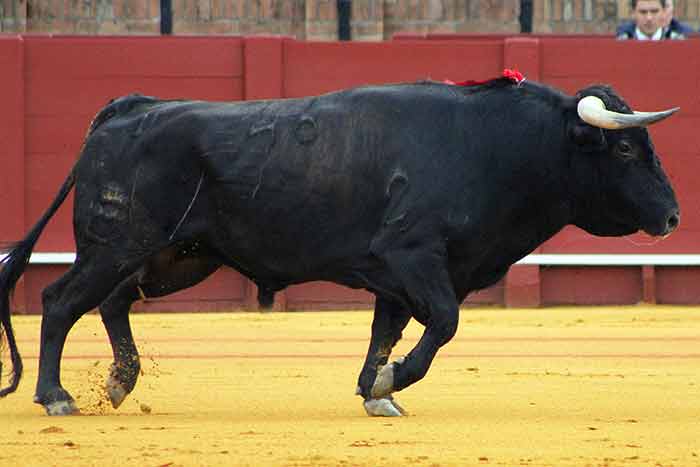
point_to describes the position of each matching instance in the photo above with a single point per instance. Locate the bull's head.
(617, 170)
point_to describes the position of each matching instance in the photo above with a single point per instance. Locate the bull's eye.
(625, 150)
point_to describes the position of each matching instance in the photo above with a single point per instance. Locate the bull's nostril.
(673, 222)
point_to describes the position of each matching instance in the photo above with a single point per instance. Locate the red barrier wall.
(52, 86)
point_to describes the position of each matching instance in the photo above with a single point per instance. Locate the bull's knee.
(446, 330)
(412, 368)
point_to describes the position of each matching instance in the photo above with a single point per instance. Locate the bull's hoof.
(384, 382)
(115, 391)
(56, 401)
(383, 408)
(60, 408)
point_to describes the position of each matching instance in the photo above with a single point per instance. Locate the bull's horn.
(592, 110)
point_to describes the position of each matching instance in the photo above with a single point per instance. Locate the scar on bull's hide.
(137, 173)
(261, 146)
(110, 210)
(146, 121)
(307, 130)
(189, 206)
(256, 129)
(395, 191)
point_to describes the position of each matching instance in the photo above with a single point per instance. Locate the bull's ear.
(588, 138)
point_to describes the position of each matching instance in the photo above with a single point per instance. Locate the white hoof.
(61, 408)
(115, 391)
(384, 383)
(383, 408)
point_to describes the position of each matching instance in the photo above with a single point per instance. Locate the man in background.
(653, 20)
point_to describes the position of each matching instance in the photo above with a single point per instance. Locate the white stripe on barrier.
(534, 259)
(610, 260)
(49, 258)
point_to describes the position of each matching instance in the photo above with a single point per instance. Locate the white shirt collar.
(640, 36)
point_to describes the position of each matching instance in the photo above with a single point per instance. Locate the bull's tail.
(13, 266)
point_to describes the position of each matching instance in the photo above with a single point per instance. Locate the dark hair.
(633, 3)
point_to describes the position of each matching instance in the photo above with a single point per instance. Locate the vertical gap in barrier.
(648, 284)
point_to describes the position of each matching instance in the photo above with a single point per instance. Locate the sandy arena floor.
(614, 386)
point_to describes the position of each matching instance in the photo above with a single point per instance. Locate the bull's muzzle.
(672, 222)
(666, 226)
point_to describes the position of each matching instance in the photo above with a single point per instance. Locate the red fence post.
(648, 284)
(12, 180)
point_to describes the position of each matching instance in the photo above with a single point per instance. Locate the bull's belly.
(290, 253)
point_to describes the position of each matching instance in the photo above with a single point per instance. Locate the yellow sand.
(617, 386)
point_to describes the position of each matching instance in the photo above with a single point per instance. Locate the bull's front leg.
(429, 288)
(389, 320)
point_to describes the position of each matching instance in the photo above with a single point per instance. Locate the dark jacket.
(676, 30)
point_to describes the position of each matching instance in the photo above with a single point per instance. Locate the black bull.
(419, 193)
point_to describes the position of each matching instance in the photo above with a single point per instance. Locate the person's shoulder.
(625, 30)
(677, 30)
(680, 27)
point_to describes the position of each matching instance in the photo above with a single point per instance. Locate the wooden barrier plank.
(677, 286)
(598, 59)
(317, 67)
(591, 286)
(158, 56)
(59, 95)
(326, 295)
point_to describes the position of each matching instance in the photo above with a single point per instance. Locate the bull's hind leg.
(429, 289)
(389, 321)
(169, 271)
(126, 366)
(81, 289)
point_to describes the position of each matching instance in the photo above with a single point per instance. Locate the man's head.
(649, 15)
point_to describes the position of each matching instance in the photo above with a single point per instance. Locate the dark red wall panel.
(677, 285)
(591, 286)
(325, 295)
(12, 109)
(224, 290)
(35, 280)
